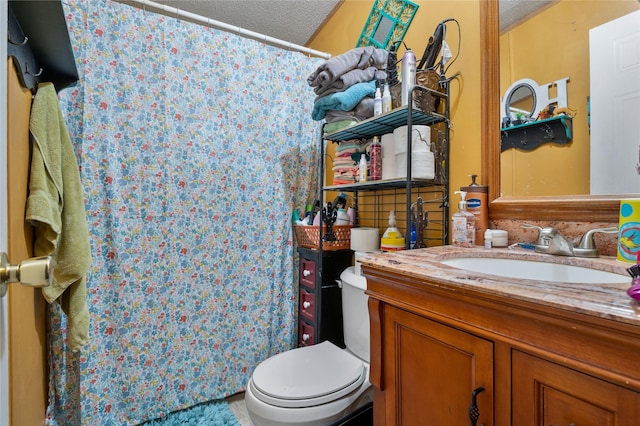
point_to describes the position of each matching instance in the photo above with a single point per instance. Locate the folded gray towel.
(358, 58)
(350, 78)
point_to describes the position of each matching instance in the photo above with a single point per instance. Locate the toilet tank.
(355, 313)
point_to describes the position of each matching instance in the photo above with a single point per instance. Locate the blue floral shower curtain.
(194, 147)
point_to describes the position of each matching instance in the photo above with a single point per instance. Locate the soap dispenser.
(477, 204)
(464, 224)
(392, 239)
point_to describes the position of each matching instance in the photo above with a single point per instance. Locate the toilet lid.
(307, 376)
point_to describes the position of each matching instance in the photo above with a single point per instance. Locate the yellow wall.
(552, 45)
(341, 32)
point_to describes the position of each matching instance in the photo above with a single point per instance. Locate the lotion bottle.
(362, 171)
(464, 224)
(477, 204)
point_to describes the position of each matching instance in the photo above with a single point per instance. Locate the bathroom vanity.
(450, 346)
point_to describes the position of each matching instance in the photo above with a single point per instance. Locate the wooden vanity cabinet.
(431, 371)
(545, 393)
(433, 344)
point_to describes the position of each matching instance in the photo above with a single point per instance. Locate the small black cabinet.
(320, 299)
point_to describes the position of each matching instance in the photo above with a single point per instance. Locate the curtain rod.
(174, 11)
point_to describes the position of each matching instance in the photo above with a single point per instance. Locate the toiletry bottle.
(488, 237)
(392, 239)
(377, 103)
(464, 224)
(478, 205)
(408, 75)
(386, 99)
(342, 218)
(363, 168)
(375, 154)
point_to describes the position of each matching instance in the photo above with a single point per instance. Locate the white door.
(614, 50)
(4, 350)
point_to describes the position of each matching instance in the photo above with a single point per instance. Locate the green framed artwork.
(387, 23)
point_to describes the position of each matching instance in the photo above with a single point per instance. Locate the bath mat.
(212, 413)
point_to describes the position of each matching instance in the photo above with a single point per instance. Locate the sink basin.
(542, 271)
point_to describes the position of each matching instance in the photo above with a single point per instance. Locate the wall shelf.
(385, 123)
(529, 136)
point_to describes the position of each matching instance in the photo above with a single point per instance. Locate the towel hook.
(38, 74)
(26, 39)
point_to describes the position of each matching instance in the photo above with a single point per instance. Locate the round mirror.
(520, 103)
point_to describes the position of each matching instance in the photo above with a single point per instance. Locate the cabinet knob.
(306, 273)
(306, 305)
(305, 337)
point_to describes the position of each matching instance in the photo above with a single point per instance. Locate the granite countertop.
(609, 301)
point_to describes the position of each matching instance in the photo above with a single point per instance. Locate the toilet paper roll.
(629, 230)
(389, 168)
(365, 239)
(420, 141)
(387, 141)
(422, 165)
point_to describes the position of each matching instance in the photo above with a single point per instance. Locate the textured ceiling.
(296, 21)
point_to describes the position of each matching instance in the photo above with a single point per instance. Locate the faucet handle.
(529, 226)
(587, 241)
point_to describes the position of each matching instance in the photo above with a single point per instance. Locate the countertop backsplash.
(606, 243)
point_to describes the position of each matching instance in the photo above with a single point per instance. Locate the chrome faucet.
(551, 241)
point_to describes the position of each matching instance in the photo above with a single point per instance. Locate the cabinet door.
(547, 394)
(431, 370)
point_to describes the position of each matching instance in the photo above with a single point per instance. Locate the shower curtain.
(194, 146)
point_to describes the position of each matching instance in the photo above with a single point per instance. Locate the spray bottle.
(386, 99)
(408, 75)
(477, 204)
(464, 224)
(377, 102)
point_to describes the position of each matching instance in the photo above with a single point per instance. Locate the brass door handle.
(34, 272)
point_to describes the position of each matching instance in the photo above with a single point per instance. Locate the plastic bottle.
(408, 75)
(363, 168)
(377, 103)
(386, 99)
(342, 218)
(414, 236)
(375, 154)
(392, 239)
(464, 224)
(477, 204)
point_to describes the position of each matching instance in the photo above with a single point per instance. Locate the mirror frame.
(574, 208)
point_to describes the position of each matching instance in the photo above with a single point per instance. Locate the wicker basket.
(424, 101)
(309, 237)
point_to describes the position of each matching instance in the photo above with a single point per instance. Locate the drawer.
(308, 272)
(306, 334)
(307, 305)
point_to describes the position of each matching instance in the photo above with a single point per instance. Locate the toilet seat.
(307, 376)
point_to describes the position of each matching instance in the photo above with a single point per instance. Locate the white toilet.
(319, 384)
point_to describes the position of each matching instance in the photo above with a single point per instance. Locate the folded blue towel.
(343, 101)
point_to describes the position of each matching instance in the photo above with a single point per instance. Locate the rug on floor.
(212, 413)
